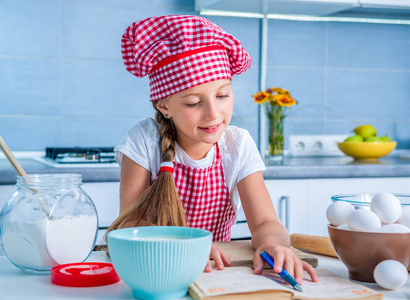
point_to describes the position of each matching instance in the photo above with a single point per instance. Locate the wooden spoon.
(20, 171)
(9, 155)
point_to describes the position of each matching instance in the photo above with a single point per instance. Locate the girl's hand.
(220, 258)
(284, 257)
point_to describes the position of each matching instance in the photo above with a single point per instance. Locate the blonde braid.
(168, 135)
(159, 204)
(173, 210)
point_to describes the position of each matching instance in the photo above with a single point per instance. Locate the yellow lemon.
(365, 131)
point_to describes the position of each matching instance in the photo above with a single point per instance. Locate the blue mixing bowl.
(159, 262)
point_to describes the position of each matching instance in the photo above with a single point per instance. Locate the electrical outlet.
(315, 145)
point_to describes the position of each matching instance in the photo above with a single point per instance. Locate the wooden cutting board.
(241, 253)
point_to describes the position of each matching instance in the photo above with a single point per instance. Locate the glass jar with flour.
(49, 220)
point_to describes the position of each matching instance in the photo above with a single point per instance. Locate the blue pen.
(285, 275)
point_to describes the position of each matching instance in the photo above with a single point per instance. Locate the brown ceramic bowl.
(362, 251)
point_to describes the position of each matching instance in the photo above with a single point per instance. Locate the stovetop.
(78, 157)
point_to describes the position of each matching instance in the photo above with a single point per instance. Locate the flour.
(49, 242)
(24, 244)
(70, 239)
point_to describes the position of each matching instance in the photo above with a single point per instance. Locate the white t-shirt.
(240, 156)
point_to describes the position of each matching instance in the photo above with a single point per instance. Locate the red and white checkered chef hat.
(179, 52)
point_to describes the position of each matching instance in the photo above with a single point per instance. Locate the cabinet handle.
(284, 203)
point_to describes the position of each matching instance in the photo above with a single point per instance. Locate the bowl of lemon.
(366, 145)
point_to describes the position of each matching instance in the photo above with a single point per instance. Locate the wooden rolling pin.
(314, 244)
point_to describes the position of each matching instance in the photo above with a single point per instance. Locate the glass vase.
(276, 139)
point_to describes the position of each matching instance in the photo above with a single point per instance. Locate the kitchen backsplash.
(63, 83)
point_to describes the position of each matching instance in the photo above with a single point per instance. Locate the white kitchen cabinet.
(320, 191)
(303, 7)
(289, 198)
(396, 4)
(390, 9)
(105, 196)
(5, 192)
(300, 203)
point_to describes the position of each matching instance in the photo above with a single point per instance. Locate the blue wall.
(63, 83)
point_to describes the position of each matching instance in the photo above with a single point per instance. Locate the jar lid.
(84, 274)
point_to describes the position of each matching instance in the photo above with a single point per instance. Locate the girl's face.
(200, 114)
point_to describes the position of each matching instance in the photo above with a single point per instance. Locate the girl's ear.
(163, 107)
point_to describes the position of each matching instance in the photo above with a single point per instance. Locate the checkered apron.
(205, 197)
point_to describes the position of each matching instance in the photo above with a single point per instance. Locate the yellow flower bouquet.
(276, 102)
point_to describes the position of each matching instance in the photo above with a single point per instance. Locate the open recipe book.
(240, 283)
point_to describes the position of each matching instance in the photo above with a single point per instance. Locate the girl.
(189, 167)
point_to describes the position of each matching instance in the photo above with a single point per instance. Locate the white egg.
(364, 220)
(390, 274)
(387, 207)
(405, 216)
(343, 226)
(395, 228)
(338, 212)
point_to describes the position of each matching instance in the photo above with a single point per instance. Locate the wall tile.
(95, 132)
(93, 29)
(245, 112)
(30, 86)
(30, 133)
(62, 80)
(347, 126)
(302, 127)
(372, 95)
(373, 46)
(244, 86)
(248, 33)
(104, 88)
(401, 134)
(31, 28)
(296, 43)
(305, 85)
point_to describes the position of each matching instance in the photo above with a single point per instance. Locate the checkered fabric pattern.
(205, 198)
(183, 42)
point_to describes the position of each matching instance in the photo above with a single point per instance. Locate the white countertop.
(15, 284)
